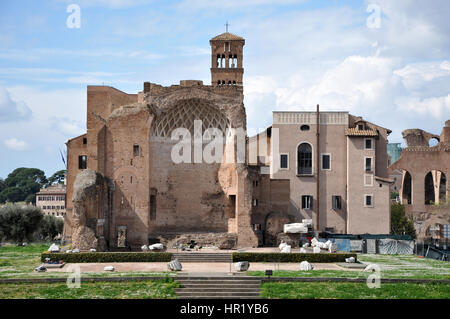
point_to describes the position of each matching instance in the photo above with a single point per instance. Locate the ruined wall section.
(75, 147)
(91, 211)
(127, 144)
(197, 196)
(101, 102)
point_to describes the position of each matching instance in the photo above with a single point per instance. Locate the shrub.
(107, 257)
(292, 257)
(19, 222)
(50, 227)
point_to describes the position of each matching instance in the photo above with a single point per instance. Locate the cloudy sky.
(388, 61)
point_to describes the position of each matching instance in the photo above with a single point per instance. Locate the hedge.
(292, 257)
(107, 257)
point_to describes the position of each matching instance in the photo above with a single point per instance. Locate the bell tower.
(226, 59)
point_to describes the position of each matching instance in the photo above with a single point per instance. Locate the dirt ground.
(191, 267)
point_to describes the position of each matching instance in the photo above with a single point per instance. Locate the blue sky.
(298, 53)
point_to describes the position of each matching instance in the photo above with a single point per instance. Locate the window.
(368, 164)
(368, 143)
(368, 200)
(255, 183)
(284, 161)
(326, 162)
(135, 150)
(360, 127)
(82, 162)
(255, 202)
(304, 128)
(304, 159)
(307, 201)
(84, 140)
(336, 202)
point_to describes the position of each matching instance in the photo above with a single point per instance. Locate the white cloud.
(11, 110)
(438, 107)
(113, 4)
(16, 145)
(67, 126)
(239, 4)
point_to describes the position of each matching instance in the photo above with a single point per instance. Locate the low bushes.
(291, 257)
(107, 257)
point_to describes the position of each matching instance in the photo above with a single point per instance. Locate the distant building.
(394, 151)
(52, 200)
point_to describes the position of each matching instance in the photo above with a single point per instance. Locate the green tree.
(21, 183)
(19, 222)
(2, 184)
(50, 227)
(400, 224)
(11, 194)
(57, 178)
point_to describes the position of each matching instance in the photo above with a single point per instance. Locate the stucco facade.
(337, 189)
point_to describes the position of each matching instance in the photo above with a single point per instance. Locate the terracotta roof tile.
(227, 36)
(354, 131)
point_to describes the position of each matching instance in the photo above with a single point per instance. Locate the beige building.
(52, 200)
(337, 168)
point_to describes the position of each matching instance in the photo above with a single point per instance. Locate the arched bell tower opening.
(226, 59)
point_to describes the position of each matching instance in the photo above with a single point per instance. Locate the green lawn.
(344, 290)
(392, 266)
(160, 289)
(19, 262)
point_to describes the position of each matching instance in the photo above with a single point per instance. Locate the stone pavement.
(200, 267)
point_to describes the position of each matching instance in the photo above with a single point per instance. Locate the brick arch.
(183, 114)
(226, 100)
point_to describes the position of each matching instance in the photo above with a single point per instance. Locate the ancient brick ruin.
(425, 169)
(124, 189)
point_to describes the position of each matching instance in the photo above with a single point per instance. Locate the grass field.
(344, 290)
(19, 262)
(159, 289)
(392, 266)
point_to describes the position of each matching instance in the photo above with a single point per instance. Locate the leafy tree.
(2, 184)
(21, 183)
(50, 227)
(11, 194)
(400, 224)
(19, 222)
(57, 178)
(30, 199)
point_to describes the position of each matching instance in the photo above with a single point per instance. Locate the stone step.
(196, 285)
(218, 282)
(210, 287)
(220, 297)
(217, 294)
(195, 291)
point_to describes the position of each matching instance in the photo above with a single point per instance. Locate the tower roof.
(227, 36)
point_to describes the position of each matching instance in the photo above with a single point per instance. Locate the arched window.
(235, 61)
(407, 188)
(223, 61)
(429, 189)
(218, 61)
(230, 61)
(304, 159)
